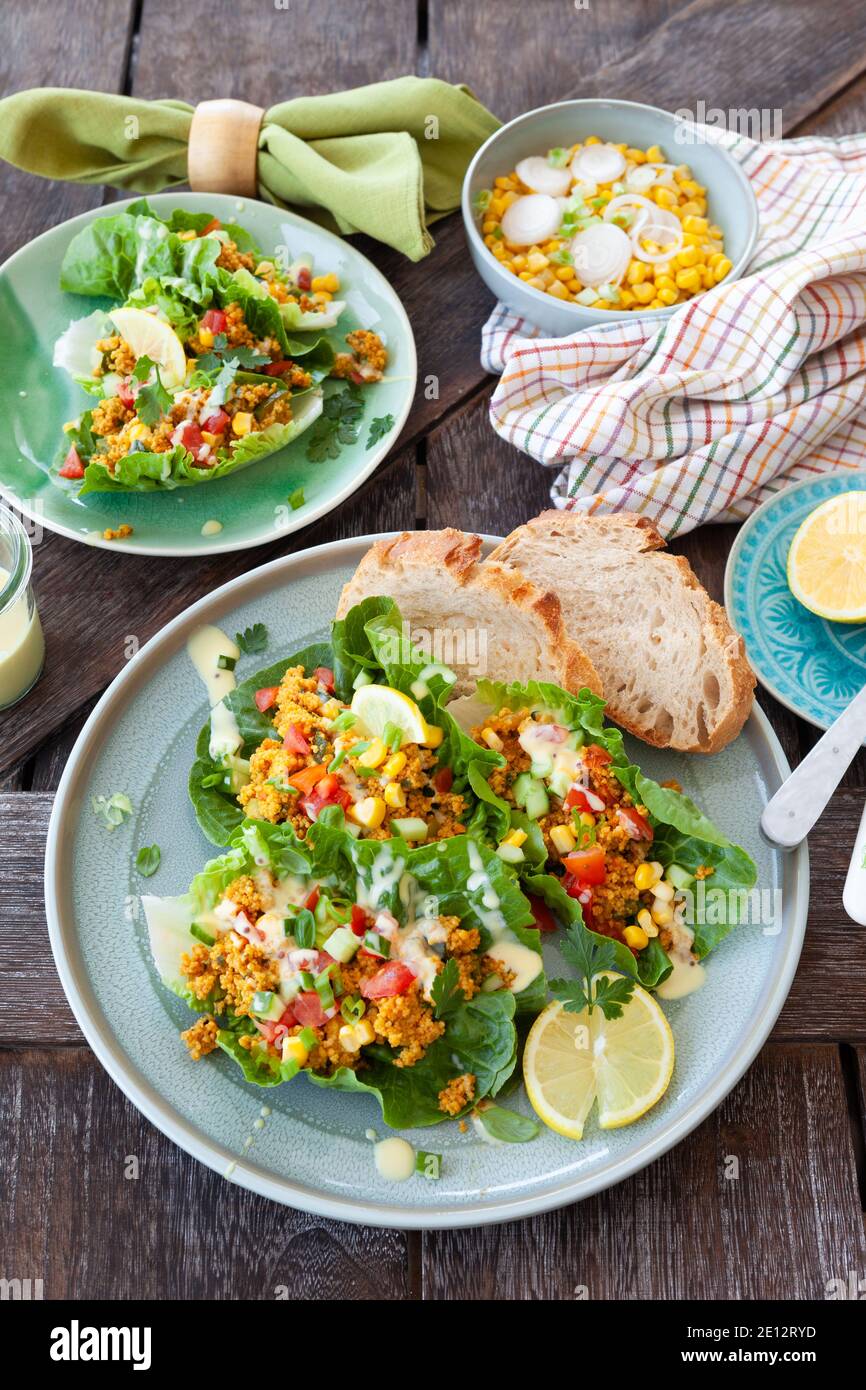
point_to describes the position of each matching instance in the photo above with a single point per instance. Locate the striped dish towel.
(748, 387)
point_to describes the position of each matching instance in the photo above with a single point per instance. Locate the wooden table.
(793, 1218)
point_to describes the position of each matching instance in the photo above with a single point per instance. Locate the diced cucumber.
(541, 767)
(411, 828)
(267, 1005)
(679, 877)
(342, 944)
(511, 854)
(537, 802)
(362, 678)
(522, 783)
(237, 772)
(290, 989)
(560, 782)
(575, 739)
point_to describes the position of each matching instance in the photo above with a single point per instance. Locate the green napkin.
(383, 159)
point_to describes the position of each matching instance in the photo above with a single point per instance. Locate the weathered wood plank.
(79, 664)
(85, 47)
(826, 999)
(760, 1202)
(70, 1141)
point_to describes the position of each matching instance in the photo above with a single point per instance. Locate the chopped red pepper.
(634, 824)
(544, 919)
(212, 226)
(306, 779)
(305, 278)
(576, 799)
(278, 368)
(189, 435)
(443, 778)
(359, 920)
(587, 865)
(266, 697)
(393, 978)
(215, 320)
(325, 678)
(125, 393)
(312, 899)
(216, 423)
(295, 741)
(72, 465)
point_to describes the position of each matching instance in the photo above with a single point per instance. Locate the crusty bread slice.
(481, 619)
(672, 669)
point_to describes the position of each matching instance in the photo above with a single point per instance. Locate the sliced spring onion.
(262, 1001)
(307, 980)
(227, 663)
(304, 929)
(362, 678)
(338, 760)
(379, 945)
(353, 1008)
(419, 689)
(429, 1165)
(481, 202)
(393, 737)
(344, 721)
(308, 1038)
(557, 157)
(201, 935)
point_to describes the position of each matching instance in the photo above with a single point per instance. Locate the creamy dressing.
(205, 647)
(525, 963)
(22, 647)
(687, 974)
(225, 736)
(395, 1159)
(211, 528)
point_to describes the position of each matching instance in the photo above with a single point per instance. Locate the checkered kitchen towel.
(746, 388)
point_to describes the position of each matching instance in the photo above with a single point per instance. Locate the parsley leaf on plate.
(590, 957)
(147, 860)
(296, 499)
(506, 1125)
(379, 428)
(253, 639)
(446, 992)
(337, 426)
(152, 401)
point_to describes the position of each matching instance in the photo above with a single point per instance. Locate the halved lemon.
(377, 706)
(151, 337)
(827, 559)
(574, 1059)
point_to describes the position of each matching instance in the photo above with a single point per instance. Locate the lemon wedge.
(574, 1059)
(377, 706)
(151, 337)
(827, 559)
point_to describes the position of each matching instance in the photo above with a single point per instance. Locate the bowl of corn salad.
(592, 210)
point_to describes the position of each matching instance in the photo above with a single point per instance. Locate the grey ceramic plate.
(251, 506)
(311, 1151)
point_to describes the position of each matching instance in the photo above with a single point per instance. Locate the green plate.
(252, 507)
(312, 1150)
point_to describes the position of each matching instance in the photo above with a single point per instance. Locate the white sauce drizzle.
(395, 1159)
(687, 974)
(205, 647)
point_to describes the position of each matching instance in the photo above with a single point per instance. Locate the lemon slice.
(574, 1059)
(377, 706)
(151, 337)
(827, 559)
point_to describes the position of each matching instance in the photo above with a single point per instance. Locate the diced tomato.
(325, 677)
(598, 755)
(312, 899)
(266, 697)
(295, 741)
(633, 823)
(359, 920)
(212, 226)
(587, 865)
(215, 320)
(275, 1032)
(576, 799)
(216, 423)
(125, 393)
(308, 1009)
(323, 960)
(277, 368)
(393, 978)
(582, 891)
(72, 465)
(443, 777)
(356, 378)
(329, 791)
(189, 435)
(544, 919)
(307, 778)
(305, 278)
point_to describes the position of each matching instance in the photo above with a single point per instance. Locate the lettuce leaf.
(683, 833)
(265, 316)
(147, 472)
(115, 255)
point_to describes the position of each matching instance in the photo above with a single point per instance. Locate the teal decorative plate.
(311, 1150)
(813, 666)
(252, 506)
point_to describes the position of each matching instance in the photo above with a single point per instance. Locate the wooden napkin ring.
(223, 147)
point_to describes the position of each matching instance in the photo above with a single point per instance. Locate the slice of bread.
(481, 619)
(672, 669)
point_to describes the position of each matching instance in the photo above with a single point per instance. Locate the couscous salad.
(215, 354)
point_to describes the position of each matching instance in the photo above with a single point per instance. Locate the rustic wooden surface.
(766, 1198)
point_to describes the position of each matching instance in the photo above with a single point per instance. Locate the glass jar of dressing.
(22, 646)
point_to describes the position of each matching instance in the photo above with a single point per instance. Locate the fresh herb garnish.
(245, 358)
(379, 428)
(152, 401)
(591, 957)
(303, 928)
(296, 499)
(429, 1165)
(112, 810)
(253, 639)
(506, 1125)
(337, 426)
(147, 860)
(446, 992)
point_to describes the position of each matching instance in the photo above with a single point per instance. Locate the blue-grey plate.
(252, 506)
(813, 666)
(311, 1151)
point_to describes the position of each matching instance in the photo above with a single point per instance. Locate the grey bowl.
(731, 201)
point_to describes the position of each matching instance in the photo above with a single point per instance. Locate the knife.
(791, 813)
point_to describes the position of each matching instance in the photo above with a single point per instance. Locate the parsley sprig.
(337, 426)
(591, 957)
(253, 639)
(152, 401)
(379, 428)
(446, 992)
